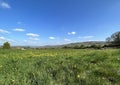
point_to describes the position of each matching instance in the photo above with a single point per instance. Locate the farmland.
(60, 67)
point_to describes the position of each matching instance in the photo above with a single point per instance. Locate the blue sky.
(52, 22)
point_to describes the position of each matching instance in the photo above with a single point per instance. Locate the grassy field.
(60, 67)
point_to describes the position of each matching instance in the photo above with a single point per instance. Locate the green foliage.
(6, 45)
(76, 47)
(66, 47)
(82, 46)
(96, 46)
(114, 39)
(59, 67)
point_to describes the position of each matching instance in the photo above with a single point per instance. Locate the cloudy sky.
(51, 22)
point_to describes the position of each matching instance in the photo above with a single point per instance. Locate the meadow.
(60, 67)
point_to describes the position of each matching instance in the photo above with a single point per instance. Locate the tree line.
(112, 41)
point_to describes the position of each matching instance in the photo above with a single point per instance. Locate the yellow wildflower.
(78, 76)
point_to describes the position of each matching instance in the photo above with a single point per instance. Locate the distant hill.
(101, 43)
(87, 43)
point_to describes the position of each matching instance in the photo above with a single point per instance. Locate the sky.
(56, 22)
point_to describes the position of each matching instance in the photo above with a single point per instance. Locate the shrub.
(82, 46)
(76, 47)
(95, 46)
(6, 45)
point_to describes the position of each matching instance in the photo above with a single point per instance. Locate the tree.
(114, 39)
(82, 46)
(95, 46)
(6, 45)
(108, 39)
(76, 47)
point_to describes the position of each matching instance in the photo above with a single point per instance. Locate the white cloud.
(31, 42)
(25, 40)
(19, 30)
(2, 38)
(31, 38)
(52, 38)
(19, 22)
(32, 35)
(4, 31)
(10, 40)
(67, 40)
(71, 33)
(6, 39)
(86, 37)
(5, 5)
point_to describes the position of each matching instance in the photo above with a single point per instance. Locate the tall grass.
(60, 67)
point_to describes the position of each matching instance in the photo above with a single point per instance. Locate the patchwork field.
(60, 67)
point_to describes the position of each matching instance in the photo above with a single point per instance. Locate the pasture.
(60, 67)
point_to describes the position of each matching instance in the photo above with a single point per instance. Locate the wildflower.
(78, 76)
(103, 77)
(13, 81)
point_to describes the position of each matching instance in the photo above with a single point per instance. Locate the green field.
(60, 67)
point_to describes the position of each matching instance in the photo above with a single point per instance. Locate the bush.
(66, 47)
(76, 47)
(95, 46)
(6, 45)
(82, 46)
